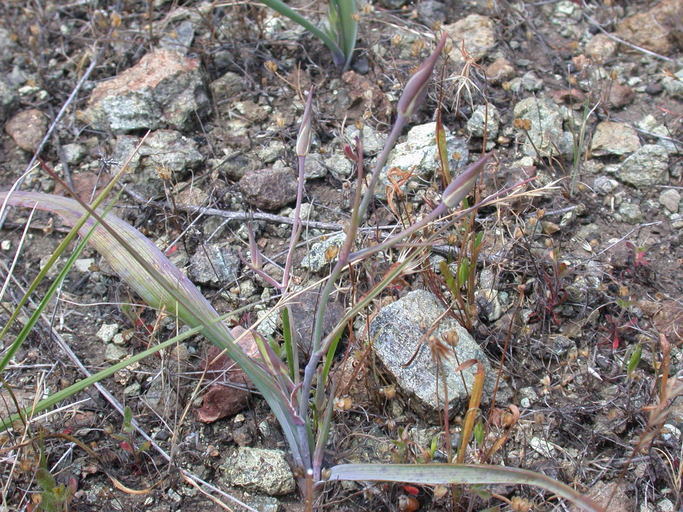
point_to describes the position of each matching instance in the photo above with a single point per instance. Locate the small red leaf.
(349, 153)
(411, 489)
(125, 445)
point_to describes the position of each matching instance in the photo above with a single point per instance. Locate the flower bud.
(303, 140)
(461, 186)
(414, 91)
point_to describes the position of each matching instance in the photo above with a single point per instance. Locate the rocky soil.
(579, 272)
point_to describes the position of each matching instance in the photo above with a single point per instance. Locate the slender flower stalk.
(303, 145)
(412, 95)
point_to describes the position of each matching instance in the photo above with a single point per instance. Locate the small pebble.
(654, 88)
(114, 354)
(670, 199)
(84, 264)
(106, 332)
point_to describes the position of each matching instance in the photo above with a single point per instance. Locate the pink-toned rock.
(223, 398)
(601, 48)
(660, 29)
(617, 95)
(612, 138)
(499, 71)
(269, 188)
(163, 89)
(27, 129)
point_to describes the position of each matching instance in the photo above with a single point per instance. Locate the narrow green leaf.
(45, 480)
(634, 359)
(127, 420)
(337, 53)
(434, 445)
(478, 239)
(347, 26)
(442, 149)
(449, 278)
(463, 271)
(479, 432)
(463, 474)
(292, 363)
(329, 357)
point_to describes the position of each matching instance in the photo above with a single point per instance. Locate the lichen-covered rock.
(227, 86)
(499, 71)
(401, 340)
(614, 139)
(214, 264)
(431, 12)
(7, 45)
(646, 167)
(652, 128)
(477, 34)
(7, 99)
(601, 48)
(419, 157)
(164, 89)
(630, 212)
(484, 116)
(74, 153)
(670, 199)
(324, 253)
(373, 141)
(259, 470)
(674, 84)
(539, 123)
(269, 188)
(164, 155)
(178, 37)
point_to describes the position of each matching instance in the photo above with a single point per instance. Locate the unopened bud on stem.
(303, 140)
(414, 91)
(461, 186)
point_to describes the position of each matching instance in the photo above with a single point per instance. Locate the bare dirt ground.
(585, 274)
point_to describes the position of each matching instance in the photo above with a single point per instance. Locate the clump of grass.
(302, 403)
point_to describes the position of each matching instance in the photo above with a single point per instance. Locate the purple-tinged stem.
(303, 144)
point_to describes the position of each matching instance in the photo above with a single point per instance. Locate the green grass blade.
(35, 316)
(468, 474)
(69, 391)
(149, 272)
(290, 347)
(337, 53)
(329, 358)
(327, 365)
(347, 26)
(442, 149)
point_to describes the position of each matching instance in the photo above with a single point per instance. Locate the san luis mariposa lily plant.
(301, 401)
(340, 33)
